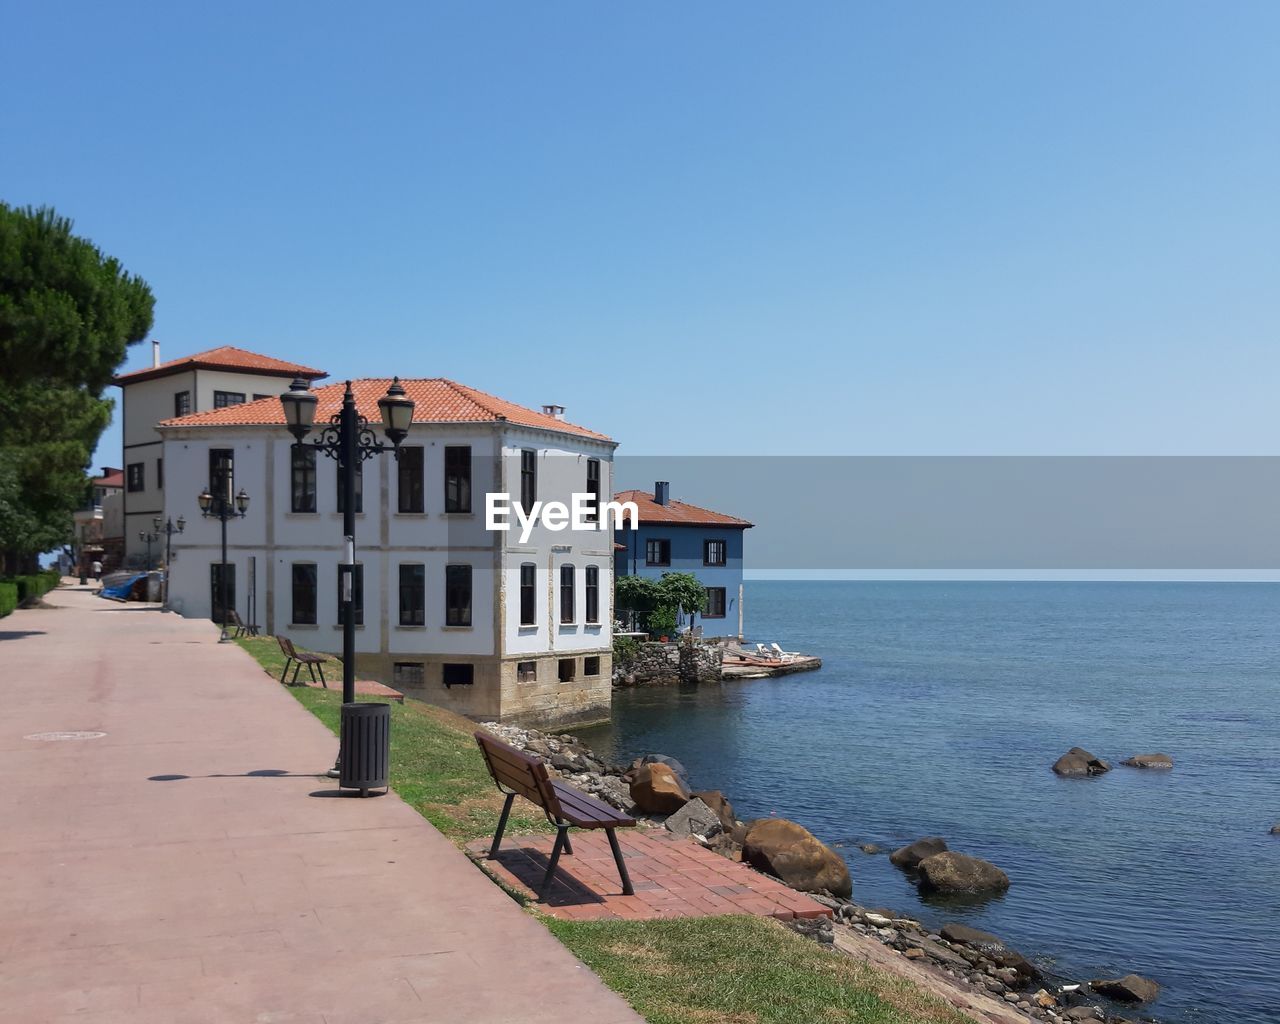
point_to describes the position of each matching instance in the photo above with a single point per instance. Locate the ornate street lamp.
(168, 528)
(349, 439)
(222, 506)
(148, 539)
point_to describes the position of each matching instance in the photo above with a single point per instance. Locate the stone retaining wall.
(658, 664)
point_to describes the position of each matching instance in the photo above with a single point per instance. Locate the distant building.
(448, 611)
(215, 379)
(99, 526)
(674, 536)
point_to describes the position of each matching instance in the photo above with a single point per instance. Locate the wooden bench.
(314, 662)
(516, 773)
(242, 628)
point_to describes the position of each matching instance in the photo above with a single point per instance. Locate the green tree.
(67, 316)
(682, 590)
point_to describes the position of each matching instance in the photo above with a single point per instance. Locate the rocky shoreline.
(974, 967)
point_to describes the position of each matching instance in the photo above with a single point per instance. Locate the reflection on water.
(939, 710)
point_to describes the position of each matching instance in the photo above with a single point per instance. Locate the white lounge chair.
(763, 651)
(778, 652)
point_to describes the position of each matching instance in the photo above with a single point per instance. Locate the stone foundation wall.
(496, 692)
(658, 664)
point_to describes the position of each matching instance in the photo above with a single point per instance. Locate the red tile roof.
(676, 513)
(113, 479)
(436, 400)
(225, 357)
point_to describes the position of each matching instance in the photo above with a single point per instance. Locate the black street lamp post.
(148, 539)
(222, 506)
(349, 439)
(168, 528)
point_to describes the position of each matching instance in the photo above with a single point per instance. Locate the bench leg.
(561, 834)
(568, 846)
(287, 663)
(627, 888)
(502, 826)
(320, 669)
(297, 668)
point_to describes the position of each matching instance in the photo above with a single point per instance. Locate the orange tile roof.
(676, 513)
(225, 357)
(113, 479)
(435, 400)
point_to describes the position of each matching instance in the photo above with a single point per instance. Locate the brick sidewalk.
(672, 876)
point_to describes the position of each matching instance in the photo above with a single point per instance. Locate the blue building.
(674, 536)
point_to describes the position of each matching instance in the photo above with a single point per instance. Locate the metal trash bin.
(364, 748)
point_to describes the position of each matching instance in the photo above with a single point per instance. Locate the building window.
(222, 473)
(657, 552)
(566, 593)
(409, 490)
(303, 479)
(593, 488)
(342, 501)
(568, 669)
(215, 590)
(408, 673)
(257, 398)
(222, 399)
(591, 666)
(458, 674)
(457, 478)
(528, 594)
(528, 479)
(593, 594)
(413, 595)
(160, 473)
(714, 552)
(457, 595)
(304, 594)
(357, 594)
(135, 476)
(526, 672)
(715, 603)
(182, 403)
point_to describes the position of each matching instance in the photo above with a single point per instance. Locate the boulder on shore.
(1078, 763)
(1148, 761)
(670, 762)
(991, 946)
(911, 855)
(1132, 988)
(792, 853)
(656, 789)
(952, 872)
(714, 799)
(695, 818)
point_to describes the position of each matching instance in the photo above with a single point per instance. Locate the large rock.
(714, 799)
(694, 819)
(1149, 761)
(1079, 763)
(616, 792)
(910, 856)
(991, 946)
(656, 789)
(1275, 830)
(670, 762)
(958, 872)
(1132, 988)
(790, 852)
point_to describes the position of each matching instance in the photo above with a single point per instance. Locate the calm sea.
(939, 710)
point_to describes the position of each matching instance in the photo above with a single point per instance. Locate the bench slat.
(586, 811)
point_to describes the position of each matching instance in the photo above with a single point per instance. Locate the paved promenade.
(189, 865)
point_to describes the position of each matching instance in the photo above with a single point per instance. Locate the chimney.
(661, 492)
(554, 411)
(155, 352)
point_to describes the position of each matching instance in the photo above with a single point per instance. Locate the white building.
(448, 611)
(207, 380)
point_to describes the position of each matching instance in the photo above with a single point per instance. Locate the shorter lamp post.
(168, 528)
(148, 539)
(222, 507)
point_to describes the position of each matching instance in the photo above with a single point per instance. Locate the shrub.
(8, 598)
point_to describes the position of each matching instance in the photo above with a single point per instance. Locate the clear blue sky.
(939, 228)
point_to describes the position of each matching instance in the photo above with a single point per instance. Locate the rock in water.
(694, 818)
(910, 856)
(1078, 763)
(1275, 830)
(1149, 761)
(792, 853)
(1132, 988)
(991, 946)
(870, 848)
(714, 799)
(958, 872)
(656, 789)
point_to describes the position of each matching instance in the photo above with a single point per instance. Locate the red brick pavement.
(672, 877)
